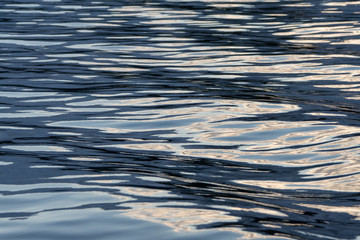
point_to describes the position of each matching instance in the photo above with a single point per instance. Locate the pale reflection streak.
(38, 148)
(338, 4)
(337, 184)
(180, 219)
(188, 217)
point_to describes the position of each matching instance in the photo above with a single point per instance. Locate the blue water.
(163, 119)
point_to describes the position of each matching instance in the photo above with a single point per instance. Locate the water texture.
(164, 119)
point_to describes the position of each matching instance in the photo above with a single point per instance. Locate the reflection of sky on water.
(231, 115)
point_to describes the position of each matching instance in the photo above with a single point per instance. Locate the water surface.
(164, 119)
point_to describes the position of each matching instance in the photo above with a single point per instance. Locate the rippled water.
(164, 119)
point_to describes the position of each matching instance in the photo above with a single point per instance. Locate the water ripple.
(179, 119)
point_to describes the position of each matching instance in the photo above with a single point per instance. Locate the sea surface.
(179, 119)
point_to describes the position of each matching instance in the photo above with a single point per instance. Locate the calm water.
(179, 119)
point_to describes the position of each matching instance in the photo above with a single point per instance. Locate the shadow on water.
(217, 58)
